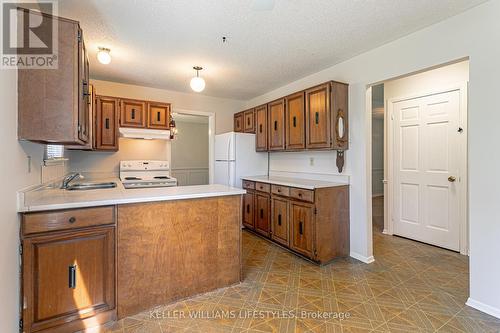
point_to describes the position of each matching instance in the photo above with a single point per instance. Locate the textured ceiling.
(155, 43)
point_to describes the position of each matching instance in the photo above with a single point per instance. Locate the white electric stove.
(144, 174)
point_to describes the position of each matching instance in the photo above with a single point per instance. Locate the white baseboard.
(483, 307)
(386, 232)
(366, 260)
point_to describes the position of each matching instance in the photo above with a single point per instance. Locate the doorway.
(425, 156)
(190, 149)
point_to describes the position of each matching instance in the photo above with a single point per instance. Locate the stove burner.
(162, 177)
(132, 178)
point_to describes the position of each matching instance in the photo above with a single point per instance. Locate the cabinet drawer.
(249, 185)
(263, 187)
(301, 194)
(67, 219)
(280, 190)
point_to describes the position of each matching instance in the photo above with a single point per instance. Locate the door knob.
(451, 179)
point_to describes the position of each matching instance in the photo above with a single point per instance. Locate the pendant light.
(103, 55)
(197, 83)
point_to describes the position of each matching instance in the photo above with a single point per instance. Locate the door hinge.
(315, 210)
(21, 325)
(79, 36)
(21, 249)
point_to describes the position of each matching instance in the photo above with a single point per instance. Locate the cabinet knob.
(72, 219)
(279, 219)
(300, 228)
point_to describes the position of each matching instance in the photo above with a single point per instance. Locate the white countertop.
(46, 198)
(309, 184)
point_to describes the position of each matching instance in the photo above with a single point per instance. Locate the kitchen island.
(93, 256)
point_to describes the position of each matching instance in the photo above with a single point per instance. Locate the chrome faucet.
(69, 178)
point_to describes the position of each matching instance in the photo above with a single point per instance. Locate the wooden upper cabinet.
(133, 113)
(158, 115)
(238, 122)
(52, 103)
(68, 277)
(295, 121)
(261, 128)
(340, 116)
(106, 123)
(301, 220)
(318, 126)
(277, 125)
(249, 119)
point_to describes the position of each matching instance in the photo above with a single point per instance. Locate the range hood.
(142, 133)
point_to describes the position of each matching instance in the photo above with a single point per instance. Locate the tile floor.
(411, 287)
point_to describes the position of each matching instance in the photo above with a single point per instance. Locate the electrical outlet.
(311, 161)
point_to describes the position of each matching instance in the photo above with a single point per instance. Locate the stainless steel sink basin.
(90, 186)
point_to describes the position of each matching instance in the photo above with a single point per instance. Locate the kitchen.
(107, 231)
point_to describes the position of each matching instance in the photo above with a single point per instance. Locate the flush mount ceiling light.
(103, 55)
(197, 83)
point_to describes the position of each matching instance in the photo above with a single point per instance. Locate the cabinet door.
(248, 211)
(238, 122)
(277, 125)
(279, 220)
(106, 123)
(159, 115)
(68, 277)
(318, 116)
(262, 204)
(249, 117)
(295, 122)
(133, 113)
(340, 116)
(84, 92)
(301, 218)
(261, 128)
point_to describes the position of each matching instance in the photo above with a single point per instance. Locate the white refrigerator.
(235, 157)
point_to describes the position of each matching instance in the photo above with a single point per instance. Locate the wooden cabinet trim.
(280, 220)
(261, 128)
(106, 124)
(249, 120)
(138, 113)
(280, 190)
(263, 187)
(238, 122)
(157, 120)
(318, 126)
(248, 184)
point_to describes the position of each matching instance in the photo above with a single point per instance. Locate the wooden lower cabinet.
(248, 210)
(68, 277)
(262, 207)
(279, 220)
(312, 223)
(302, 232)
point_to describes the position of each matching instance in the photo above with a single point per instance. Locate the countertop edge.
(296, 185)
(111, 202)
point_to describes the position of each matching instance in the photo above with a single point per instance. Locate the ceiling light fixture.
(197, 83)
(103, 55)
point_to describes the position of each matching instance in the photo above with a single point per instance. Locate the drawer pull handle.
(275, 125)
(316, 118)
(300, 195)
(294, 121)
(279, 190)
(248, 121)
(158, 116)
(133, 114)
(260, 128)
(300, 228)
(72, 219)
(279, 219)
(107, 123)
(261, 213)
(72, 276)
(248, 208)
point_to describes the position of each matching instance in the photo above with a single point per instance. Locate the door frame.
(211, 138)
(463, 171)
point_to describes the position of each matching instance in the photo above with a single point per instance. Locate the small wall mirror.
(340, 126)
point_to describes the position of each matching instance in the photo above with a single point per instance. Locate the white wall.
(15, 175)
(190, 153)
(109, 162)
(473, 34)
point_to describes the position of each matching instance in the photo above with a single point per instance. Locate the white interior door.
(427, 169)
